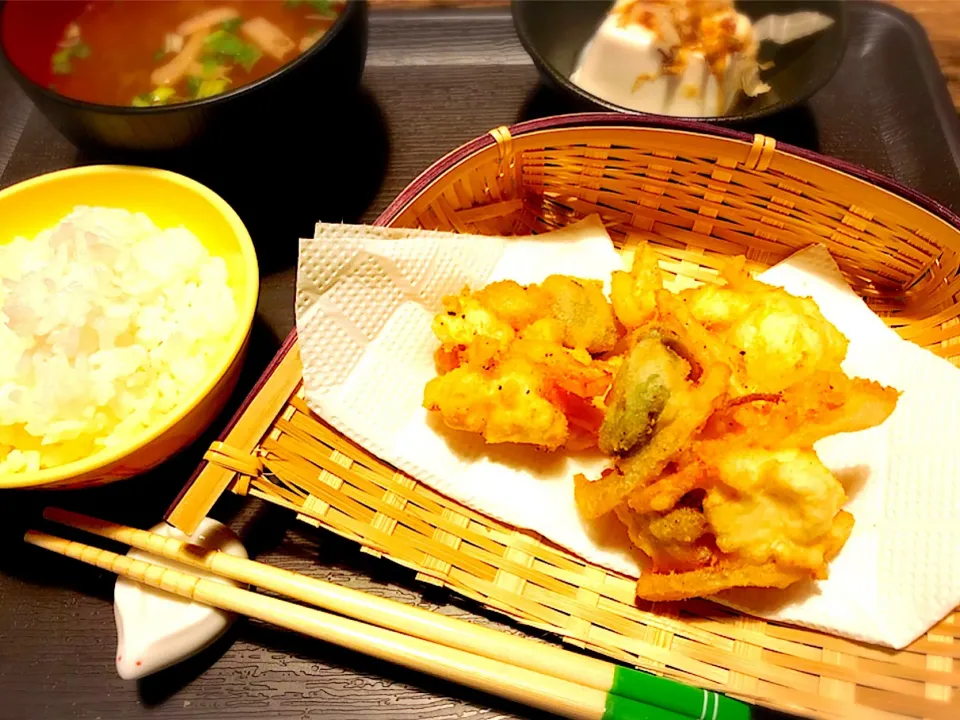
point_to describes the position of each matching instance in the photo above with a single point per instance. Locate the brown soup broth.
(109, 51)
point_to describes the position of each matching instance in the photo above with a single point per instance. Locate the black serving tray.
(434, 80)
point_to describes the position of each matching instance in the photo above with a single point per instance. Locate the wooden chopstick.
(561, 697)
(518, 651)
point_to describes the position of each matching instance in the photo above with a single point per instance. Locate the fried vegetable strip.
(705, 581)
(690, 404)
(771, 509)
(826, 404)
(729, 573)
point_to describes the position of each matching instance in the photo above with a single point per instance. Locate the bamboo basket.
(698, 195)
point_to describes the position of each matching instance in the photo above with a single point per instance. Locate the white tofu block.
(623, 65)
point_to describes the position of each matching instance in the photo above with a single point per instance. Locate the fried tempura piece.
(469, 330)
(633, 293)
(513, 303)
(770, 339)
(639, 394)
(709, 405)
(825, 404)
(515, 362)
(728, 573)
(776, 339)
(751, 506)
(503, 406)
(575, 307)
(769, 510)
(688, 407)
(584, 311)
(676, 541)
(773, 506)
(531, 392)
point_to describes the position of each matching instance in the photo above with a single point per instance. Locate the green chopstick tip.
(677, 699)
(621, 708)
(730, 709)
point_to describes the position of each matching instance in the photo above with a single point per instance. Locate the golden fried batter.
(772, 510)
(584, 311)
(691, 402)
(504, 406)
(773, 506)
(633, 293)
(708, 401)
(517, 364)
(776, 339)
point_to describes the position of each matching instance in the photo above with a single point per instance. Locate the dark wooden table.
(431, 84)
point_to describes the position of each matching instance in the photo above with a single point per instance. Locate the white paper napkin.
(366, 298)
(898, 574)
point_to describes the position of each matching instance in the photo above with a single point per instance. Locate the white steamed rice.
(107, 322)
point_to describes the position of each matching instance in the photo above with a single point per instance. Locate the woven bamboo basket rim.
(612, 119)
(277, 450)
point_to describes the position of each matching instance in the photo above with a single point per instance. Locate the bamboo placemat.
(697, 198)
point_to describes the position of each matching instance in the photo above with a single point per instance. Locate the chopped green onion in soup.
(62, 61)
(209, 88)
(222, 45)
(210, 67)
(231, 25)
(159, 96)
(70, 47)
(320, 6)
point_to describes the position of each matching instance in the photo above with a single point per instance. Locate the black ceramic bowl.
(315, 80)
(555, 31)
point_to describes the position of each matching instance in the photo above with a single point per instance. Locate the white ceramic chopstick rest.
(156, 630)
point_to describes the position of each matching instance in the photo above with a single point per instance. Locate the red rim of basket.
(596, 119)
